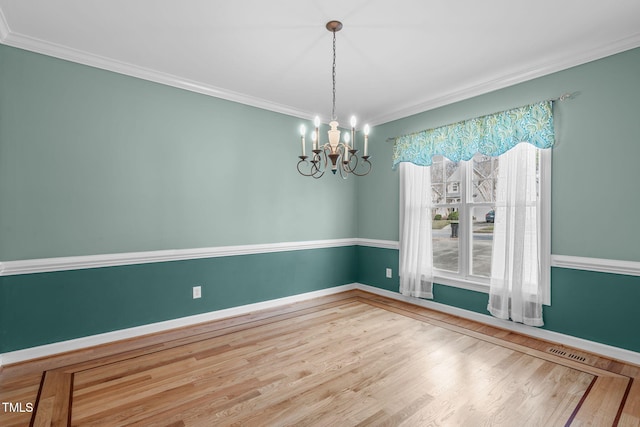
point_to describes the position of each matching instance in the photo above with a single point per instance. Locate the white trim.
(631, 268)
(459, 282)
(544, 334)
(544, 250)
(28, 266)
(22, 41)
(44, 47)
(501, 82)
(382, 244)
(138, 331)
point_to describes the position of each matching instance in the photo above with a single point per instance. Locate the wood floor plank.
(354, 359)
(630, 416)
(23, 390)
(54, 401)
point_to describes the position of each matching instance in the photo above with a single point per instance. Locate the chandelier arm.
(366, 161)
(347, 165)
(352, 165)
(303, 160)
(319, 163)
(315, 166)
(344, 172)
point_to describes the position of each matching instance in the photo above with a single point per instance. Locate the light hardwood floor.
(347, 359)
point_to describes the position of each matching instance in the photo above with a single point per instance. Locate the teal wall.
(594, 194)
(95, 162)
(42, 308)
(594, 167)
(600, 307)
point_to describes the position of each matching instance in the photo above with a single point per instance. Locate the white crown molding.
(29, 266)
(22, 41)
(69, 54)
(152, 328)
(630, 268)
(544, 334)
(483, 87)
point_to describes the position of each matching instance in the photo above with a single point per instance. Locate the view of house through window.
(463, 214)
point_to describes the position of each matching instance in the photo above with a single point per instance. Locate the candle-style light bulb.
(316, 133)
(366, 140)
(346, 138)
(303, 130)
(353, 131)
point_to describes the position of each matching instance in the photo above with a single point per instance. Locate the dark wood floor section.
(347, 359)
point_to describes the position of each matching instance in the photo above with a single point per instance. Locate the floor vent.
(567, 355)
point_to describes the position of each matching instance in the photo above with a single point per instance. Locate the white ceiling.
(394, 58)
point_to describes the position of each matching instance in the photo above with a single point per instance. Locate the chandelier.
(343, 155)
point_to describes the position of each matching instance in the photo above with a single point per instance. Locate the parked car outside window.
(490, 216)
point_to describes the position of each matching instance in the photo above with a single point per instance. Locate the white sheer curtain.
(416, 253)
(516, 290)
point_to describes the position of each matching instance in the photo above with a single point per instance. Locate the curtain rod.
(562, 97)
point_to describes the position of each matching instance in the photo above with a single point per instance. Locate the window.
(498, 167)
(463, 196)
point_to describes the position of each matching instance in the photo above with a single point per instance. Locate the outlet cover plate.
(197, 292)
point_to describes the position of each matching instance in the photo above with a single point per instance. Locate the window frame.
(463, 278)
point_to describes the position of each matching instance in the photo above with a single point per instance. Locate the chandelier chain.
(333, 75)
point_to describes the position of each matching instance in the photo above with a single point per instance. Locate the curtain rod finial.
(565, 96)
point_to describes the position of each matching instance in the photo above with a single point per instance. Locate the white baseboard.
(627, 356)
(612, 352)
(138, 331)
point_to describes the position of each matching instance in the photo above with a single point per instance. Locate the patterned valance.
(492, 135)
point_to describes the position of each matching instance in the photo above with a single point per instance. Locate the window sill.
(461, 283)
(470, 285)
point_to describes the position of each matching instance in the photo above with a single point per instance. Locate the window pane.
(453, 192)
(445, 240)
(484, 191)
(437, 175)
(485, 172)
(451, 170)
(437, 194)
(483, 166)
(482, 240)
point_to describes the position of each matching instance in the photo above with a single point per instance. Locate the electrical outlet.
(389, 273)
(197, 292)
